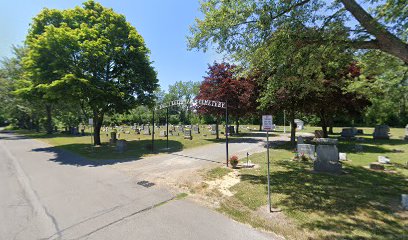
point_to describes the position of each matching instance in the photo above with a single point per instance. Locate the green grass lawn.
(138, 144)
(360, 204)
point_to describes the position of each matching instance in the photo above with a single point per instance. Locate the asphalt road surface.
(47, 193)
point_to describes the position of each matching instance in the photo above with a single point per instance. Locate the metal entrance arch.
(194, 102)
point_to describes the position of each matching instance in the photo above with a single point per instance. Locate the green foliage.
(91, 57)
(385, 81)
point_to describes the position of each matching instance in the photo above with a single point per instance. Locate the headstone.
(142, 127)
(187, 134)
(319, 134)
(348, 133)
(406, 132)
(299, 124)
(360, 131)
(213, 129)
(230, 130)
(381, 132)
(196, 129)
(354, 130)
(180, 128)
(121, 146)
(113, 138)
(146, 131)
(376, 166)
(383, 160)
(74, 131)
(137, 131)
(404, 201)
(306, 149)
(343, 156)
(327, 156)
(326, 141)
(163, 134)
(300, 140)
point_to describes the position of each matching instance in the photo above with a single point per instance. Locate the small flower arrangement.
(234, 161)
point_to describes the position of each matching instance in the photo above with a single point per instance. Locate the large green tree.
(241, 26)
(92, 56)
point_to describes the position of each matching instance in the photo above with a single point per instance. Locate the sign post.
(267, 123)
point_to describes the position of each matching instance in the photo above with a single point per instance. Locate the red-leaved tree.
(223, 84)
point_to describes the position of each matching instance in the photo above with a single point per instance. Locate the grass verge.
(361, 204)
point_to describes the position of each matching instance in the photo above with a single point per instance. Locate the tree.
(91, 56)
(182, 91)
(332, 100)
(223, 84)
(384, 80)
(241, 26)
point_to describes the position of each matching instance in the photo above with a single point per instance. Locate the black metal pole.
(226, 130)
(167, 125)
(153, 132)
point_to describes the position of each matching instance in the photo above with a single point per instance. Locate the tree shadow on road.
(81, 154)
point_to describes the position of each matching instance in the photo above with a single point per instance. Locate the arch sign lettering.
(194, 102)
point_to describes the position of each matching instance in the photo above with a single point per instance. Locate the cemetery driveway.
(43, 198)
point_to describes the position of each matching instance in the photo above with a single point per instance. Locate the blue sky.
(163, 24)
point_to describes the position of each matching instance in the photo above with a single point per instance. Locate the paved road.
(51, 194)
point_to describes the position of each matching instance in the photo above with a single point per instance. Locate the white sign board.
(91, 121)
(267, 123)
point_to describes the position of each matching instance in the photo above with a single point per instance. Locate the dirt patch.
(224, 184)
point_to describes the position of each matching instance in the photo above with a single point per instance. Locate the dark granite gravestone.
(348, 133)
(196, 129)
(121, 146)
(381, 132)
(113, 138)
(327, 156)
(230, 130)
(187, 134)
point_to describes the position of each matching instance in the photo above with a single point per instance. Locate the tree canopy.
(241, 26)
(90, 55)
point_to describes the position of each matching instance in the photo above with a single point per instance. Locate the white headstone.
(343, 156)
(383, 160)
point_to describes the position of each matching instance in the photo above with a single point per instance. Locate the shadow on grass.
(333, 196)
(86, 155)
(370, 145)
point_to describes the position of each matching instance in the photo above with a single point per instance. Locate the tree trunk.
(48, 124)
(97, 121)
(385, 40)
(292, 129)
(331, 122)
(323, 122)
(217, 129)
